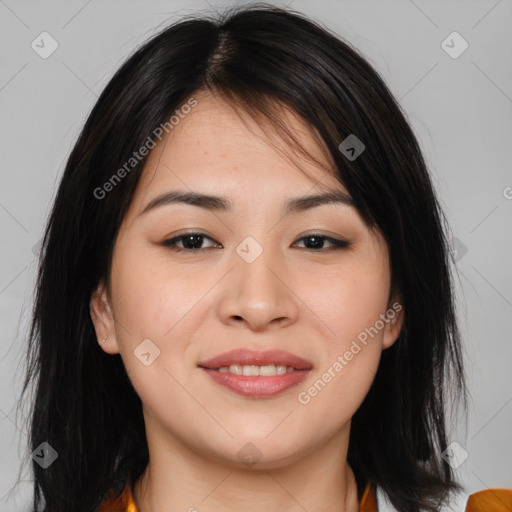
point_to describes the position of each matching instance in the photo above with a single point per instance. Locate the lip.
(257, 386)
(252, 357)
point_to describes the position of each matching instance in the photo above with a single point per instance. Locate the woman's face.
(257, 280)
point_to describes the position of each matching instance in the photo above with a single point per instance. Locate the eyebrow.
(222, 204)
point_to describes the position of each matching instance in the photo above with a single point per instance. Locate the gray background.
(460, 109)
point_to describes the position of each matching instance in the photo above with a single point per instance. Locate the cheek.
(348, 305)
(347, 302)
(150, 296)
(154, 301)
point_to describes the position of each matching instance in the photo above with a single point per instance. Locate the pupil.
(192, 245)
(317, 242)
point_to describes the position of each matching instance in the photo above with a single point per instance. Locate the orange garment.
(488, 500)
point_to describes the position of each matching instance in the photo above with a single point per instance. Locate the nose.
(259, 295)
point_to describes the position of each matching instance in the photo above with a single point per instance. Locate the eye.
(316, 242)
(190, 242)
(194, 241)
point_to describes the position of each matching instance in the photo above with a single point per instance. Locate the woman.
(244, 299)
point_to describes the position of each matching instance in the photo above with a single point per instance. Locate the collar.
(368, 501)
(496, 499)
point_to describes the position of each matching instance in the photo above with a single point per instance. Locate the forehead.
(217, 148)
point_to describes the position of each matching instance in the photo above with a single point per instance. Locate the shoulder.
(118, 503)
(490, 500)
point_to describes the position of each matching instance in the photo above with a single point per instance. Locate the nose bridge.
(256, 270)
(257, 293)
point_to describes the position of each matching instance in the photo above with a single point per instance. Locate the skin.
(311, 302)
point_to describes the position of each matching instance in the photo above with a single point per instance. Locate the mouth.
(268, 360)
(257, 374)
(252, 370)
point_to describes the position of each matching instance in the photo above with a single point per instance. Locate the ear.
(103, 320)
(394, 319)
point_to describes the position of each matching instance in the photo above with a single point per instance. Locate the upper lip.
(242, 357)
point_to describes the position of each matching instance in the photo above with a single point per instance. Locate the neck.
(178, 478)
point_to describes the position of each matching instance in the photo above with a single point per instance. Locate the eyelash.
(171, 243)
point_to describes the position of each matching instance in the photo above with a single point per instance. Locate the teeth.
(253, 370)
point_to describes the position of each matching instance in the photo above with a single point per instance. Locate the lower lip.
(256, 386)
